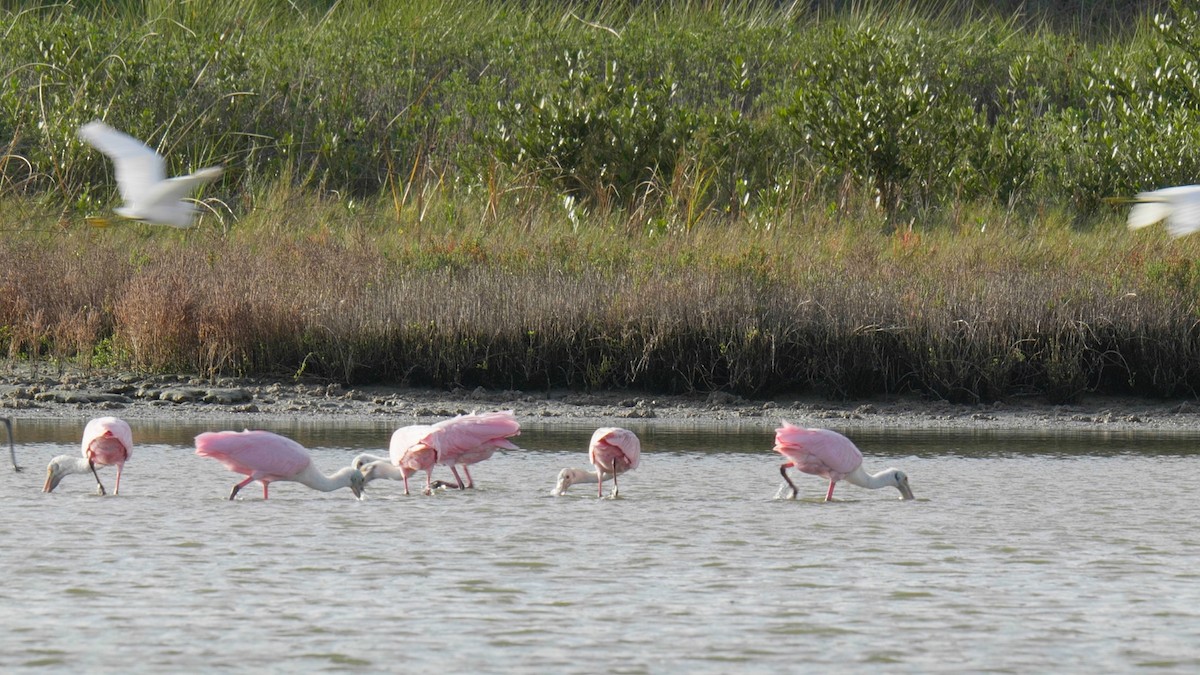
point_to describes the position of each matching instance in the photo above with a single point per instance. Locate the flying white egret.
(142, 178)
(1179, 206)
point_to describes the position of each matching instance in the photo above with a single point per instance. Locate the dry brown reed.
(807, 303)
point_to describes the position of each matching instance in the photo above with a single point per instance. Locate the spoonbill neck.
(887, 478)
(316, 480)
(585, 476)
(383, 468)
(569, 477)
(871, 481)
(72, 464)
(363, 459)
(62, 466)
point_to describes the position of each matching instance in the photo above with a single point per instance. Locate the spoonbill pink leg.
(99, 485)
(783, 472)
(239, 486)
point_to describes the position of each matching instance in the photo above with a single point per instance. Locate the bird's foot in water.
(100, 490)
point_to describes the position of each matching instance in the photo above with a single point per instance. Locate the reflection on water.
(1024, 552)
(672, 437)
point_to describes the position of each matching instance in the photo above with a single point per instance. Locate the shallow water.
(1024, 552)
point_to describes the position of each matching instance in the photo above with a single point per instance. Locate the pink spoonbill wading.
(410, 451)
(107, 441)
(470, 439)
(268, 457)
(823, 452)
(612, 451)
(462, 440)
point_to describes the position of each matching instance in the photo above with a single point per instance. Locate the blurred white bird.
(142, 178)
(1179, 206)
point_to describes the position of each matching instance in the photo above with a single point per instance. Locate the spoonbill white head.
(55, 472)
(566, 478)
(900, 479)
(357, 483)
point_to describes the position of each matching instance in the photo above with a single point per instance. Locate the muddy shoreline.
(78, 394)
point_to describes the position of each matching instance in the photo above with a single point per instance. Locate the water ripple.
(1008, 562)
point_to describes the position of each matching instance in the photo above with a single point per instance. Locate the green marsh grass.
(705, 196)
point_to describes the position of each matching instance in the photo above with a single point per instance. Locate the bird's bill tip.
(905, 492)
(560, 486)
(97, 221)
(51, 481)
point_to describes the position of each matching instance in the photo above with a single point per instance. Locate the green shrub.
(602, 131)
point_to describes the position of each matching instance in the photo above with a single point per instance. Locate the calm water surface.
(1023, 553)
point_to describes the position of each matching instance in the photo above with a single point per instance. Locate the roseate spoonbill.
(106, 441)
(12, 447)
(612, 451)
(409, 451)
(470, 439)
(823, 452)
(267, 457)
(374, 467)
(461, 440)
(1179, 206)
(142, 178)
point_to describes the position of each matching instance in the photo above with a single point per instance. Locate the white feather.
(142, 178)
(1179, 206)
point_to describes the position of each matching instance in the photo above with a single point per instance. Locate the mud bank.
(67, 394)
